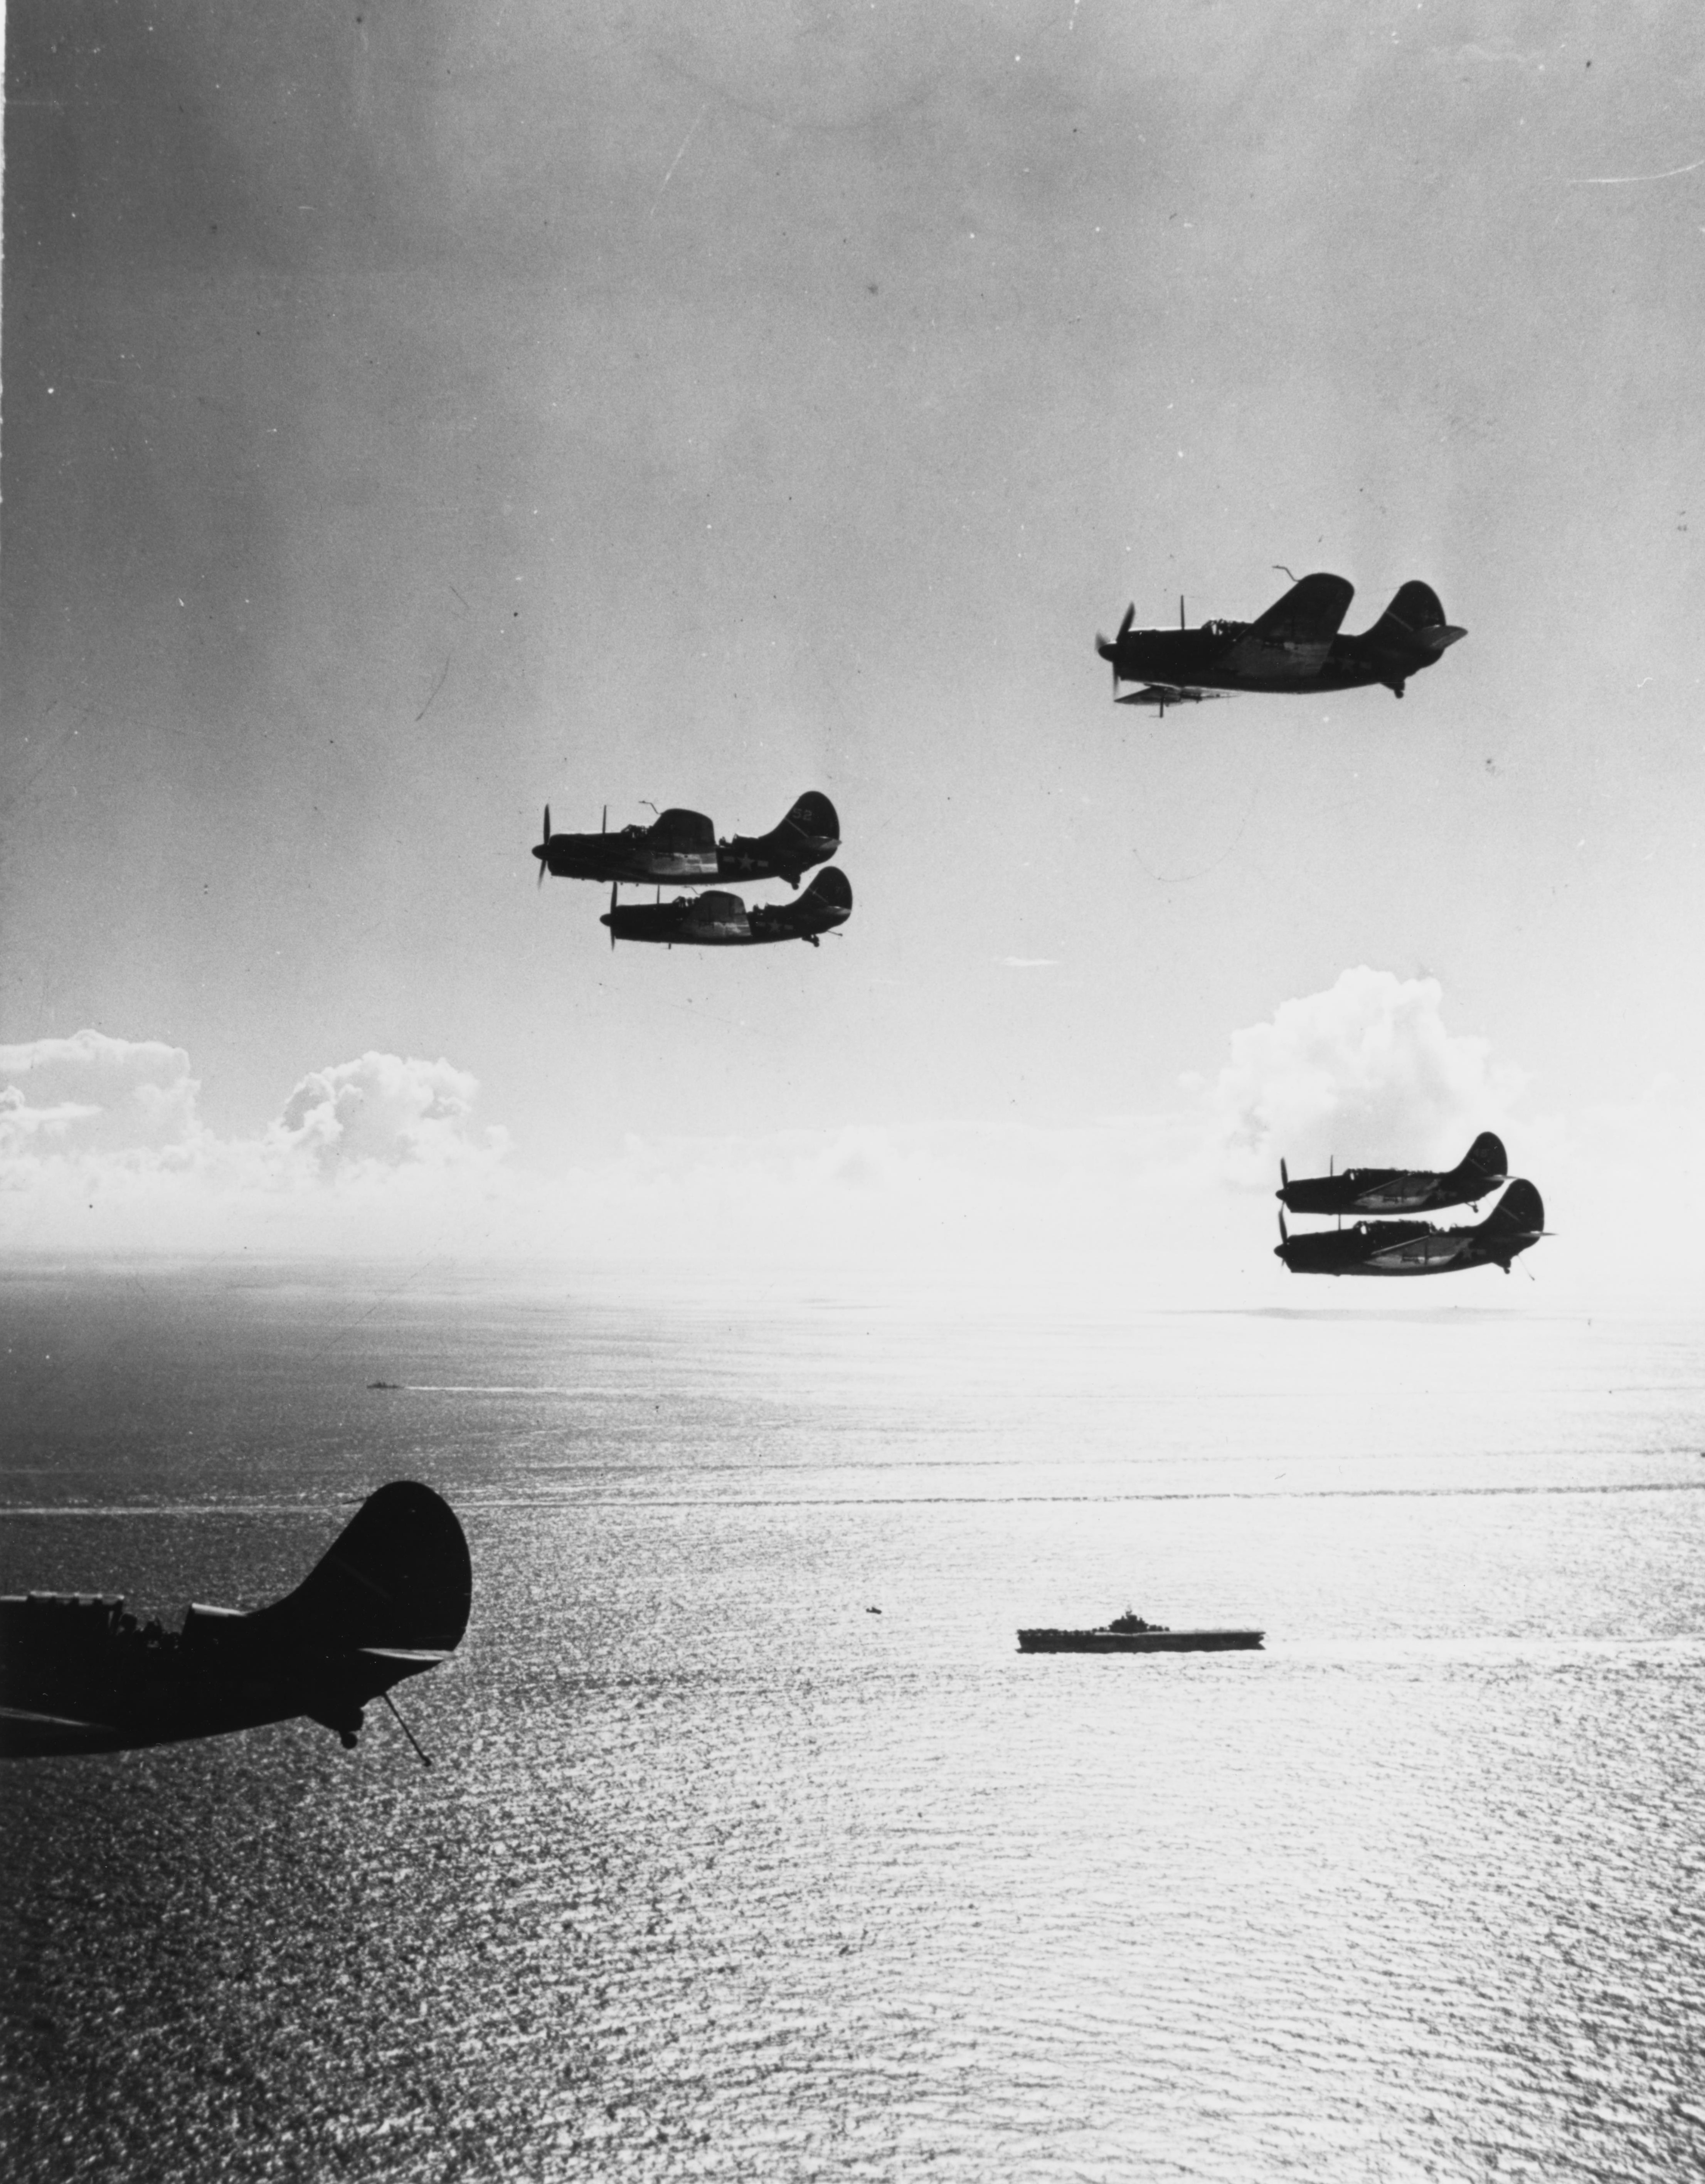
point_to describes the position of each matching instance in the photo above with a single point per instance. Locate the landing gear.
(1397, 689)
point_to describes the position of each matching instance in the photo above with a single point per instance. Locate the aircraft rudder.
(813, 816)
(1520, 1212)
(1486, 1156)
(399, 1574)
(830, 890)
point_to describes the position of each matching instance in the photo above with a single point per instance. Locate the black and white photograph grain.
(852, 1092)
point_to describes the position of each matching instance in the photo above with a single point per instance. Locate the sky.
(414, 414)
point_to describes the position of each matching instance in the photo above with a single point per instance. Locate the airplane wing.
(1170, 693)
(27, 1735)
(1433, 1250)
(1395, 1192)
(1295, 635)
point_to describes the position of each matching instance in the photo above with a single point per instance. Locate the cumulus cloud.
(96, 1094)
(102, 1147)
(380, 1110)
(101, 1143)
(1366, 1070)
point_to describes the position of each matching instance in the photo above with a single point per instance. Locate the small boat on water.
(1129, 1634)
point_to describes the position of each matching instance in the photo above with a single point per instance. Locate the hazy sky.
(416, 412)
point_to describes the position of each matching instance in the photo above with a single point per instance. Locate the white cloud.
(101, 1148)
(380, 1110)
(1365, 1072)
(96, 1094)
(100, 1145)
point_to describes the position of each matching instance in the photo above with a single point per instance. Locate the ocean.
(752, 1848)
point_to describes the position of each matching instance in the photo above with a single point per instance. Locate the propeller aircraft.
(1295, 645)
(717, 920)
(1482, 1169)
(682, 845)
(1514, 1224)
(388, 1599)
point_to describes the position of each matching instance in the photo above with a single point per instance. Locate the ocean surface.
(718, 1873)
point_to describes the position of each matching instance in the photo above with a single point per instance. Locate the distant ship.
(1129, 1634)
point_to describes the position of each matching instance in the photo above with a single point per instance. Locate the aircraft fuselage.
(389, 1599)
(1397, 1248)
(77, 1676)
(1221, 656)
(1355, 1190)
(630, 858)
(717, 920)
(1386, 1190)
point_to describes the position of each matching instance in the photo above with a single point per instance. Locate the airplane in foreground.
(1295, 645)
(682, 845)
(1481, 1170)
(1514, 1224)
(389, 1599)
(717, 920)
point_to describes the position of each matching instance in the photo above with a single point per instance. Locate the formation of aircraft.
(1514, 1225)
(1294, 646)
(717, 920)
(389, 1599)
(1483, 1169)
(682, 846)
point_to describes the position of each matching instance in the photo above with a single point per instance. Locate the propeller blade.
(604, 823)
(612, 913)
(1283, 1173)
(543, 852)
(1130, 616)
(1284, 1233)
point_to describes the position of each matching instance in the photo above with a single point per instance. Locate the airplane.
(1482, 1169)
(388, 1599)
(1294, 646)
(1515, 1224)
(682, 845)
(717, 920)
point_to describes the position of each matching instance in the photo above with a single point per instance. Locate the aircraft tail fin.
(831, 890)
(1518, 1215)
(1413, 622)
(397, 1575)
(814, 817)
(1486, 1157)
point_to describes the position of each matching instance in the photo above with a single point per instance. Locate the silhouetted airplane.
(388, 1599)
(1482, 1169)
(715, 920)
(1416, 1247)
(682, 845)
(1294, 646)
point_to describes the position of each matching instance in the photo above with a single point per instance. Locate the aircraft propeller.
(613, 884)
(1111, 652)
(1284, 1233)
(1283, 1173)
(542, 852)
